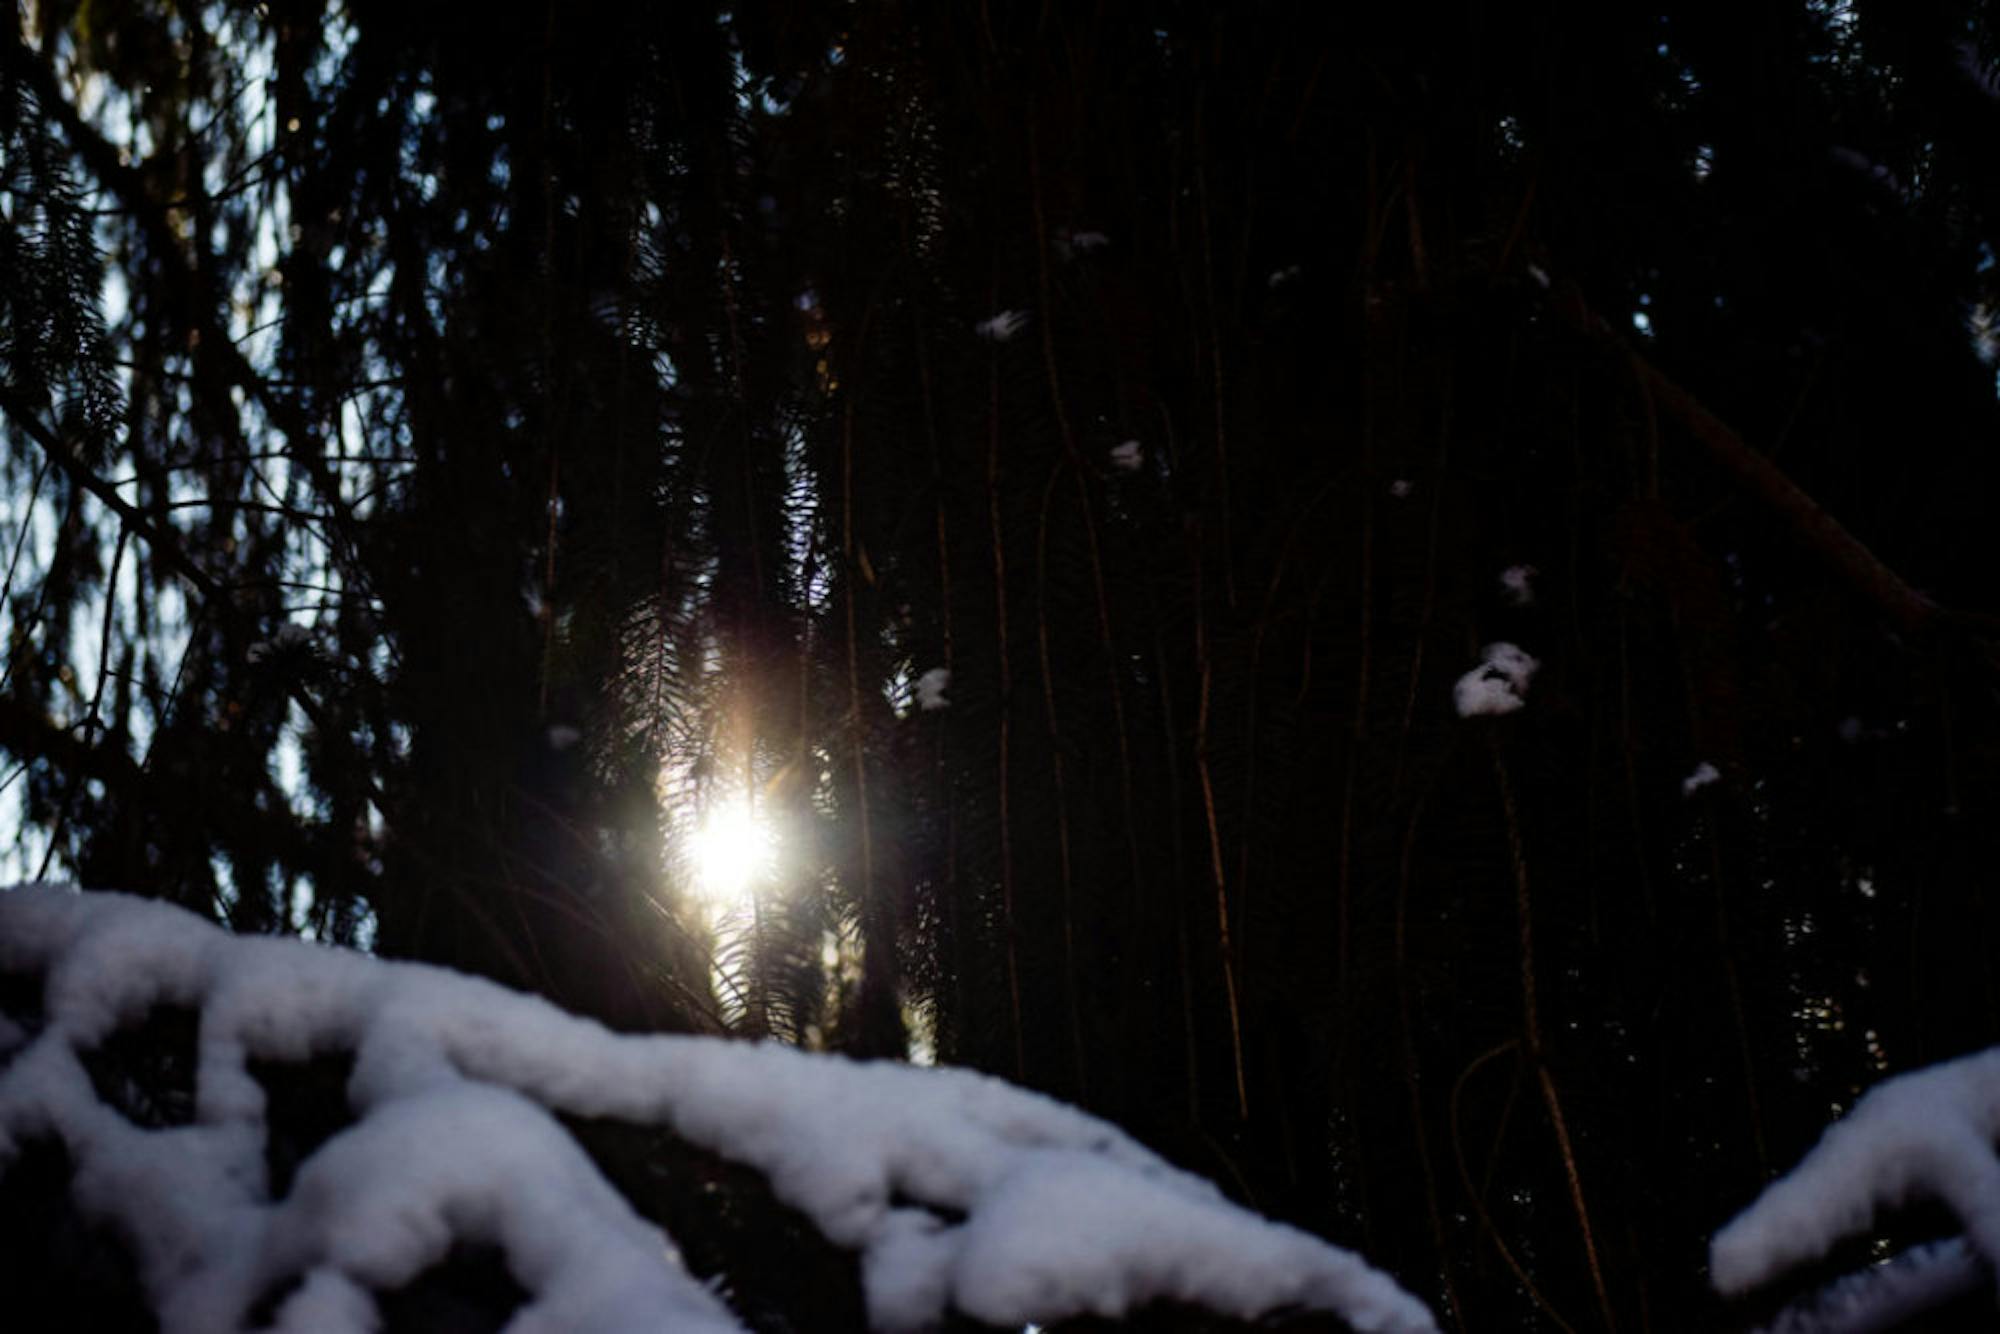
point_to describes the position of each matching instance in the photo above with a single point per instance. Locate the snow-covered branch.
(1925, 1136)
(960, 1192)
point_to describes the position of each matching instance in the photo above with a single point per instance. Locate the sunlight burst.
(732, 851)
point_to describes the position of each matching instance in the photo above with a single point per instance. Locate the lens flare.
(731, 853)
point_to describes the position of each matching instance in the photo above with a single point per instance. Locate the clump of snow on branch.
(1924, 1136)
(1279, 277)
(1517, 584)
(1499, 684)
(1703, 774)
(959, 1191)
(931, 687)
(1401, 488)
(1982, 323)
(1070, 244)
(1128, 457)
(1003, 326)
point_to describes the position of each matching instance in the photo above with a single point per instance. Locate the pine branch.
(164, 544)
(27, 420)
(26, 731)
(210, 339)
(1818, 531)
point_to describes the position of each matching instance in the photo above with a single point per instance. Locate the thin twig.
(1057, 746)
(1478, 1197)
(1811, 525)
(1532, 1032)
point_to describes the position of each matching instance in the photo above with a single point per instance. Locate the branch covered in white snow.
(959, 1191)
(1925, 1136)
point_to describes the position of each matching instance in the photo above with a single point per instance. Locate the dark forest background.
(448, 449)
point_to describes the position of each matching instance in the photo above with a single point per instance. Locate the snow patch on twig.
(1499, 684)
(1002, 327)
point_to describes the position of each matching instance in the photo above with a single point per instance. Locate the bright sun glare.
(731, 852)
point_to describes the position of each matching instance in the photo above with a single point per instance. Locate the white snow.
(1888, 1296)
(454, 1086)
(1128, 457)
(1401, 488)
(1498, 685)
(1703, 774)
(1279, 277)
(931, 687)
(1517, 583)
(1981, 322)
(1003, 326)
(1539, 274)
(1928, 1135)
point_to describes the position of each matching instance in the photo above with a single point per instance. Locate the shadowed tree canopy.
(1051, 464)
